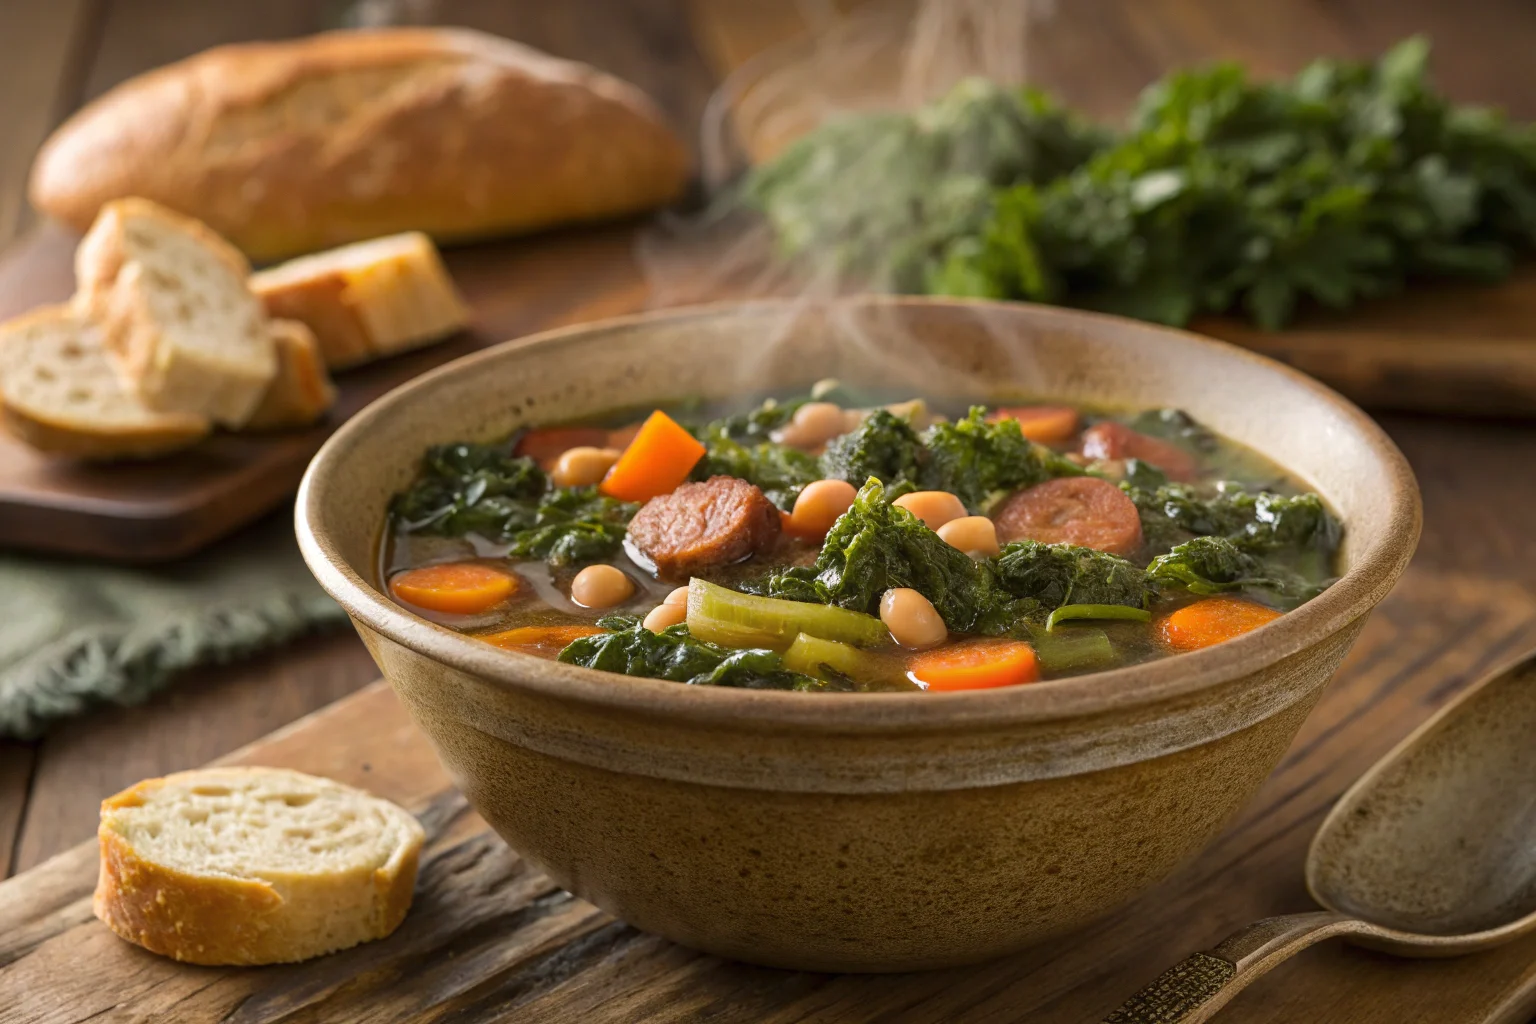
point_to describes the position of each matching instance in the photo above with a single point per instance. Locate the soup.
(839, 542)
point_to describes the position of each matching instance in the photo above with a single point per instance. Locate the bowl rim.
(1351, 597)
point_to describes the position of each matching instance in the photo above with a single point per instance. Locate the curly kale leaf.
(779, 470)
(482, 489)
(1062, 574)
(470, 488)
(976, 460)
(1173, 513)
(1213, 565)
(755, 424)
(1229, 194)
(876, 546)
(574, 525)
(1177, 426)
(884, 447)
(673, 654)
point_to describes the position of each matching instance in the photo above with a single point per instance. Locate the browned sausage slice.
(702, 525)
(1117, 441)
(1082, 510)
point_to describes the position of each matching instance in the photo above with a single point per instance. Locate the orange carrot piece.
(1211, 621)
(545, 445)
(462, 588)
(546, 640)
(1045, 424)
(976, 665)
(659, 458)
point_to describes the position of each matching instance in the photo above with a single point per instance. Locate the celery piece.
(1096, 611)
(812, 656)
(1077, 649)
(732, 619)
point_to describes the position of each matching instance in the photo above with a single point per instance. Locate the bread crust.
(302, 390)
(291, 147)
(213, 919)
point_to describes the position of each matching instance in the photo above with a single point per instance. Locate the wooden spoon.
(1431, 853)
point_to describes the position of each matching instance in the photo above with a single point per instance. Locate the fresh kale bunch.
(1342, 183)
(485, 490)
(971, 458)
(1213, 565)
(675, 655)
(880, 195)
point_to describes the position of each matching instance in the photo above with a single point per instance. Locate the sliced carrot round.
(1211, 621)
(546, 640)
(1045, 424)
(976, 665)
(460, 588)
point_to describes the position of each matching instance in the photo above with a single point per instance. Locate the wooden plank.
(208, 712)
(491, 940)
(41, 48)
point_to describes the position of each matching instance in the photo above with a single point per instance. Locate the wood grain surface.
(491, 939)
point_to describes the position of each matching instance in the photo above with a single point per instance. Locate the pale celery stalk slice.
(732, 619)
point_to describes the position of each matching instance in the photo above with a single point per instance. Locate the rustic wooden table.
(1468, 601)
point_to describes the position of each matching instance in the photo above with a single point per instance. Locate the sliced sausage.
(1117, 441)
(1082, 510)
(1046, 424)
(703, 525)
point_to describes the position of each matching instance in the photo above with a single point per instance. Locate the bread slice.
(171, 296)
(367, 300)
(302, 390)
(60, 393)
(242, 866)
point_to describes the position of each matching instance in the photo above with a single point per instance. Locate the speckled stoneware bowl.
(860, 832)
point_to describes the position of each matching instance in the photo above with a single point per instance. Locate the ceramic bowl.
(860, 832)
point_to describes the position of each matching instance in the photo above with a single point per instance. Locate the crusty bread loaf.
(291, 147)
(60, 393)
(246, 866)
(367, 300)
(302, 390)
(172, 299)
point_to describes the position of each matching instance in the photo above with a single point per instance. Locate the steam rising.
(895, 55)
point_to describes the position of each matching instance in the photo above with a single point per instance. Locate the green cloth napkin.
(77, 634)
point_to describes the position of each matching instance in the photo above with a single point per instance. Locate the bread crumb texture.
(253, 865)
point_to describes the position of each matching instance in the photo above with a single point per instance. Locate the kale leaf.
(482, 489)
(1213, 565)
(884, 447)
(575, 524)
(1229, 194)
(755, 424)
(1177, 426)
(779, 470)
(976, 460)
(1062, 574)
(880, 195)
(673, 654)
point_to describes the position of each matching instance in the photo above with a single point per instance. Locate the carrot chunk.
(1211, 621)
(976, 665)
(546, 640)
(462, 588)
(1045, 424)
(659, 458)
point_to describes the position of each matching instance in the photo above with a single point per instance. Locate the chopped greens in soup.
(823, 543)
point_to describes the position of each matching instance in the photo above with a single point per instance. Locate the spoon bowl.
(1431, 853)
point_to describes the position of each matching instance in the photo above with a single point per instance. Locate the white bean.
(934, 508)
(601, 586)
(912, 619)
(975, 535)
(664, 615)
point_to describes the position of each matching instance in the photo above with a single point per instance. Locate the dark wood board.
(489, 939)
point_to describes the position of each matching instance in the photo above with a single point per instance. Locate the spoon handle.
(1191, 991)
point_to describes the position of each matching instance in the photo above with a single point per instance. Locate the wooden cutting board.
(490, 939)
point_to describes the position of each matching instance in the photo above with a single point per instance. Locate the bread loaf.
(367, 300)
(60, 393)
(171, 296)
(302, 390)
(244, 866)
(291, 147)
